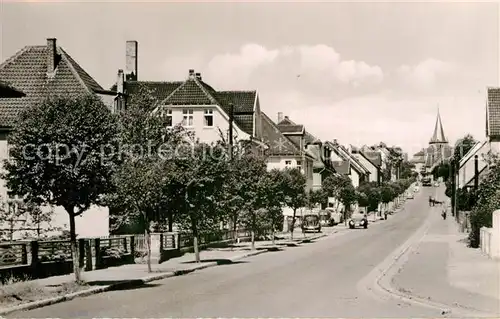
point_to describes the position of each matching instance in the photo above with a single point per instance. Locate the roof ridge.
(237, 91)
(210, 97)
(65, 56)
(159, 82)
(16, 55)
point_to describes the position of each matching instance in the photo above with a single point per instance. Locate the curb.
(120, 285)
(379, 280)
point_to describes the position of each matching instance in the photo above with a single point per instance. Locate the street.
(316, 280)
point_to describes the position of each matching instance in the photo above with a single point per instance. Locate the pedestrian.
(443, 214)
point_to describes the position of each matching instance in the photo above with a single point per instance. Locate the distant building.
(439, 150)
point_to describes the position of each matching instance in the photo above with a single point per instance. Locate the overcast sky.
(360, 73)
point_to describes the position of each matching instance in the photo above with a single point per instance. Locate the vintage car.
(311, 223)
(358, 220)
(410, 195)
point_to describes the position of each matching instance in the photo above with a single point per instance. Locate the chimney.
(131, 61)
(51, 55)
(198, 76)
(191, 73)
(280, 116)
(286, 117)
(119, 82)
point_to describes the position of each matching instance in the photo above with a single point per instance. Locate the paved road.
(316, 280)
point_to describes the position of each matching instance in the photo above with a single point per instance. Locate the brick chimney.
(131, 52)
(119, 82)
(191, 73)
(280, 116)
(51, 55)
(198, 76)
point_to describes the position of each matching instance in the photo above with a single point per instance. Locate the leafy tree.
(62, 155)
(275, 189)
(254, 186)
(488, 200)
(340, 187)
(463, 146)
(371, 195)
(295, 192)
(386, 193)
(315, 197)
(200, 176)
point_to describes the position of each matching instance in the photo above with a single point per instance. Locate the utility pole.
(457, 171)
(476, 173)
(453, 186)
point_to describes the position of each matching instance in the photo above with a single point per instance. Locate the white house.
(467, 164)
(371, 160)
(346, 163)
(41, 71)
(284, 153)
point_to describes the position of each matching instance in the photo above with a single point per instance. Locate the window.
(288, 163)
(167, 114)
(299, 165)
(209, 118)
(187, 117)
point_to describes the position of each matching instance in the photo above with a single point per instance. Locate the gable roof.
(342, 167)
(471, 153)
(287, 126)
(194, 91)
(493, 112)
(27, 71)
(374, 157)
(279, 144)
(342, 152)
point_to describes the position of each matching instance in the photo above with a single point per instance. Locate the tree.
(463, 146)
(252, 188)
(387, 193)
(295, 193)
(200, 176)
(487, 201)
(62, 154)
(371, 193)
(315, 197)
(341, 188)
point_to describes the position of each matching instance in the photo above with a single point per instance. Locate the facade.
(194, 104)
(346, 163)
(372, 161)
(40, 71)
(467, 164)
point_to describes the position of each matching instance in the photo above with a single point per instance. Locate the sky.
(360, 73)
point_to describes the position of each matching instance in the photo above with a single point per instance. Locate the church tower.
(439, 149)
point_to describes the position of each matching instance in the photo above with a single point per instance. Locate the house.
(467, 164)
(40, 71)
(346, 163)
(418, 160)
(371, 160)
(493, 119)
(322, 165)
(194, 104)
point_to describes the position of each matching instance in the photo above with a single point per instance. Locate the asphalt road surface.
(315, 280)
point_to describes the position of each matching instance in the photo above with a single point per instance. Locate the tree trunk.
(196, 249)
(147, 237)
(273, 232)
(74, 246)
(235, 228)
(293, 223)
(170, 222)
(252, 232)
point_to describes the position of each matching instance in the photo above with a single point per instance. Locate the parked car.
(358, 220)
(311, 223)
(335, 217)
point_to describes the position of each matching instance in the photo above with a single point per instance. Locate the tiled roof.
(421, 153)
(310, 139)
(494, 112)
(373, 157)
(278, 143)
(194, 91)
(343, 152)
(341, 167)
(287, 126)
(27, 71)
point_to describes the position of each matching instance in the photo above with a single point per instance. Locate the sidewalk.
(129, 276)
(443, 269)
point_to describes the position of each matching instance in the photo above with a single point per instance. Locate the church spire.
(438, 136)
